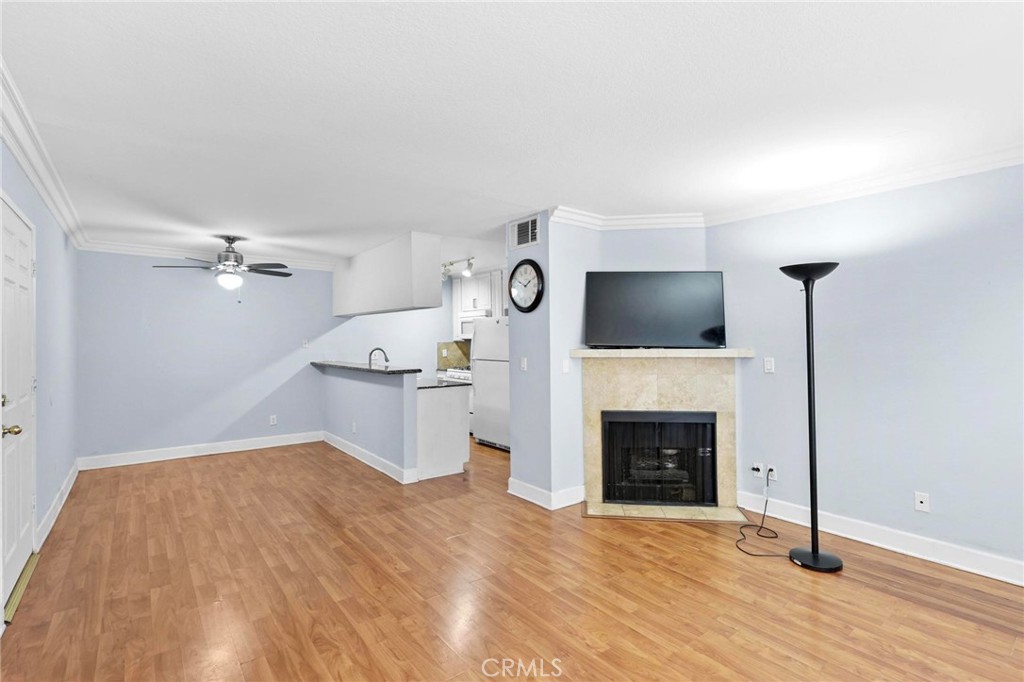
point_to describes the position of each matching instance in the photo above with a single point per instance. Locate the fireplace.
(659, 458)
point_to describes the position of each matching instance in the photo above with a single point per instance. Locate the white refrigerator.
(489, 364)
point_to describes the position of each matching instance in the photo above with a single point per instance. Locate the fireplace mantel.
(661, 353)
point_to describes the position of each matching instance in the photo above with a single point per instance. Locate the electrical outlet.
(566, 367)
(922, 502)
(769, 365)
(773, 473)
(757, 468)
(273, 420)
(444, 352)
(353, 427)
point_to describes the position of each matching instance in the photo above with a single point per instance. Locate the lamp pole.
(812, 558)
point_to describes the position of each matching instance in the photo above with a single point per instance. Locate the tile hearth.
(666, 380)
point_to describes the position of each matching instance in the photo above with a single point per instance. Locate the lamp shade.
(809, 271)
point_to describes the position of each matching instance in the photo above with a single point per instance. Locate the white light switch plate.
(565, 366)
(769, 365)
(522, 364)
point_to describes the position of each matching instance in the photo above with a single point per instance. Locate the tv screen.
(655, 310)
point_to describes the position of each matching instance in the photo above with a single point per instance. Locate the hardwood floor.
(301, 563)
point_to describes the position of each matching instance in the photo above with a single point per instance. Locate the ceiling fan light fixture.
(229, 280)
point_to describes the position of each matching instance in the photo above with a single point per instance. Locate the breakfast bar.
(408, 427)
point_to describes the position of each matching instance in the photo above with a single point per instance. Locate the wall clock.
(526, 285)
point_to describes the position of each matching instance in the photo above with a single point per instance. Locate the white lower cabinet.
(442, 431)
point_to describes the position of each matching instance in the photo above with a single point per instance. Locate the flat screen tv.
(655, 310)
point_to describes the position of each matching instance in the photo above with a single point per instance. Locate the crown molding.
(593, 221)
(21, 136)
(921, 175)
(168, 252)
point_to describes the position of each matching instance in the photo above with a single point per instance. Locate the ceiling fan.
(230, 266)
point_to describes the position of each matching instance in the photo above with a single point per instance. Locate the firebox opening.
(663, 458)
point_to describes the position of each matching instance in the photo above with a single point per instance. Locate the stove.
(461, 375)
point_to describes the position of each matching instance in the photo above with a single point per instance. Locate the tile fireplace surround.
(665, 379)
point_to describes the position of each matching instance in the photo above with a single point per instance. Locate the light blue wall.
(529, 392)
(666, 249)
(573, 251)
(55, 336)
(382, 406)
(168, 358)
(918, 347)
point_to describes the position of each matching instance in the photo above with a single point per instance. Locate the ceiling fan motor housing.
(229, 257)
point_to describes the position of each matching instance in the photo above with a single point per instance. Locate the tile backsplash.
(458, 354)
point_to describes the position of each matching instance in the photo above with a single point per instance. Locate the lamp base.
(822, 561)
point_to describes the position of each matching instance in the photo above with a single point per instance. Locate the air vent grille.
(523, 233)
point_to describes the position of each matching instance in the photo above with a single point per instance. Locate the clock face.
(526, 285)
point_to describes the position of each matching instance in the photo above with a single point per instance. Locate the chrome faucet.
(386, 358)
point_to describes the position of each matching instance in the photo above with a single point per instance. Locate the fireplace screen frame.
(661, 488)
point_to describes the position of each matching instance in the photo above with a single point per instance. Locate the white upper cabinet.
(398, 275)
(483, 295)
(475, 298)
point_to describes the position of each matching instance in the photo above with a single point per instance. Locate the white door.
(17, 375)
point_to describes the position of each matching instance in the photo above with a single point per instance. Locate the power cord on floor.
(761, 531)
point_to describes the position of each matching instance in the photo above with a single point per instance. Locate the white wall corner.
(197, 450)
(22, 138)
(593, 221)
(545, 498)
(938, 551)
(403, 476)
(45, 525)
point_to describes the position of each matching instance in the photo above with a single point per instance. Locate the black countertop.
(364, 367)
(440, 383)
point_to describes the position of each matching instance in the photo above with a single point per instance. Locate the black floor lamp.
(811, 558)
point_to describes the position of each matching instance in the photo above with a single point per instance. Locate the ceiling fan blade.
(272, 273)
(267, 266)
(200, 260)
(187, 267)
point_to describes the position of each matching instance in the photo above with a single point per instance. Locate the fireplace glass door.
(663, 458)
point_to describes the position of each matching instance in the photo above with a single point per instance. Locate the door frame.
(6, 199)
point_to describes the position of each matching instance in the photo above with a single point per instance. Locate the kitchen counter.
(378, 415)
(364, 367)
(440, 383)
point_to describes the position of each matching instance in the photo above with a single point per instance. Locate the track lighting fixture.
(446, 268)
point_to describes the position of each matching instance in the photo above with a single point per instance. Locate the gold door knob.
(13, 430)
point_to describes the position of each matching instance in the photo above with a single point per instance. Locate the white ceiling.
(330, 128)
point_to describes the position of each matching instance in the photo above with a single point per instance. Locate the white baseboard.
(199, 450)
(46, 523)
(567, 497)
(375, 461)
(545, 498)
(941, 552)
